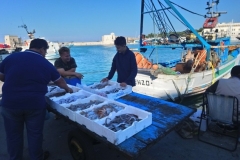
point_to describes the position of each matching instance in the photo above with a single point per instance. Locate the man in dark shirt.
(66, 65)
(26, 76)
(124, 62)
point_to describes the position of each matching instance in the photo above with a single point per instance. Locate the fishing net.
(163, 70)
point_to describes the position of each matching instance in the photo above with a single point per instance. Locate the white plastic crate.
(89, 123)
(55, 89)
(67, 112)
(96, 125)
(54, 102)
(73, 114)
(107, 90)
(122, 135)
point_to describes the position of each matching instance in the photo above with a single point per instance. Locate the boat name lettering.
(143, 82)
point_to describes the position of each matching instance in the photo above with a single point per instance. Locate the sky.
(89, 20)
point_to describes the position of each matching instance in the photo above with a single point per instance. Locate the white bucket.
(203, 125)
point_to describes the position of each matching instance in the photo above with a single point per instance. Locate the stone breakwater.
(89, 43)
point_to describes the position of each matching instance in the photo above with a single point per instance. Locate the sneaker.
(46, 154)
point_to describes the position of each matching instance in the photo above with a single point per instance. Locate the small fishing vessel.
(206, 57)
(52, 52)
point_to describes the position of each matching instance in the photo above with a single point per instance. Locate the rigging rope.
(188, 10)
(160, 18)
(176, 17)
(167, 17)
(213, 73)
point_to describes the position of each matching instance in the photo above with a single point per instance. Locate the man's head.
(120, 43)
(235, 72)
(39, 45)
(64, 53)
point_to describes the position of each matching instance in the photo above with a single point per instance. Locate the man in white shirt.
(229, 87)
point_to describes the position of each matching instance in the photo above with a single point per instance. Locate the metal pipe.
(141, 22)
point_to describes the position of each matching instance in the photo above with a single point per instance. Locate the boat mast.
(204, 43)
(141, 22)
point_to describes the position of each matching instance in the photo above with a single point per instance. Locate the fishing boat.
(52, 52)
(206, 57)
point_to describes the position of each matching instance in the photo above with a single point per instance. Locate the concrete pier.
(87, 43)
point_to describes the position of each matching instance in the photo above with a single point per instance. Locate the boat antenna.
(211, 12)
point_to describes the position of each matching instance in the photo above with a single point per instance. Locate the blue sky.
(88, 20)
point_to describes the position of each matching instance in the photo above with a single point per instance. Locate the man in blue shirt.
(124, 62)
(26, 76)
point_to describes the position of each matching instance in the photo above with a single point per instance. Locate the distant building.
(13, 41)
(226, 30)
(108, 39)
(132, 39)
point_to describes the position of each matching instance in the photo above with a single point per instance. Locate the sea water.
(94, 62)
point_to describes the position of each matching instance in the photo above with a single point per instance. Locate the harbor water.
(94, 62)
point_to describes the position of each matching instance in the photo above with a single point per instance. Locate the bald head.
(38, 43)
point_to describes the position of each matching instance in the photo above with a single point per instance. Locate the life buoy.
(222, 46)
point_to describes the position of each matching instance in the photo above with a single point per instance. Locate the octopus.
(121, 122)
(102, 111)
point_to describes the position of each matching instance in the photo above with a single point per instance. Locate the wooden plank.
(166, 116)
(131, 147)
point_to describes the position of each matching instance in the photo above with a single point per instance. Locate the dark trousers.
(14, 120)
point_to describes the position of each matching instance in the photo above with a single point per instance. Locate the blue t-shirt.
(126, 66)
(26, 77)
